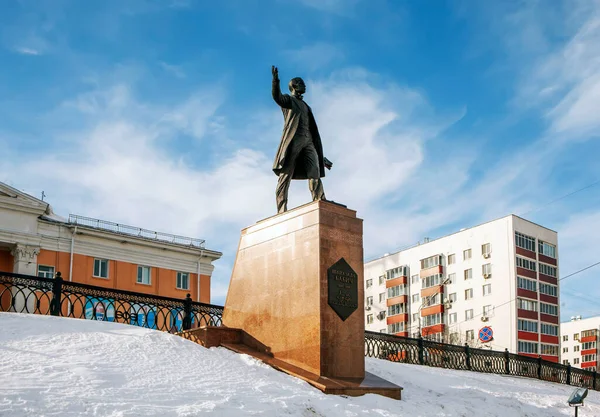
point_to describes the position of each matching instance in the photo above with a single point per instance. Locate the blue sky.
(437, 117)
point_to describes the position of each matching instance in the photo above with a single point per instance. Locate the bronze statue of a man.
(300, 153)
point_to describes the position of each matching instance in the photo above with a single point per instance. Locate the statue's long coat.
(290, 106)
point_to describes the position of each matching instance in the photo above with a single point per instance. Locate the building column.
(25, 259)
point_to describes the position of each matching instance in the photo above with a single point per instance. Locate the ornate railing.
(442, 355)
(54, 296)
(124, 229)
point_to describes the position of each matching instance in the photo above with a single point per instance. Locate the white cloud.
(317, 55)
(342, 7)
(27, 51)
(173, 69)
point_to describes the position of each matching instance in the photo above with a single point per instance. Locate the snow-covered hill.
(53, 366)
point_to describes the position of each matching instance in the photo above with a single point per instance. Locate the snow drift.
(53, 366)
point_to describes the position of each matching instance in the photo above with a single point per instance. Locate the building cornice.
(123, 238)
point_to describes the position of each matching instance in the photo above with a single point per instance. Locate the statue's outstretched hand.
(328, 164)
(275, 72)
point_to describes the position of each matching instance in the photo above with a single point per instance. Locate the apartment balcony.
(436, 328)
(436, 289)
(590, 336)
(400, 299)
(398, 318)
(438, 269)
(401, 280)
(434, 309)
(589, 352)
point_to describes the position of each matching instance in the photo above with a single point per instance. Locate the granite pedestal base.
(297, 292)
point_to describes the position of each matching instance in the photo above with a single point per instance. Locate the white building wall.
(503, 320)
(569, 331)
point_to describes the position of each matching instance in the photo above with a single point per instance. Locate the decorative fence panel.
(54, 296)
(27, 294)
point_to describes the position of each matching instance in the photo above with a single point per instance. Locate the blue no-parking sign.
(486, 334)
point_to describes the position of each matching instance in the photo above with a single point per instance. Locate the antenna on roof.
(43, 195)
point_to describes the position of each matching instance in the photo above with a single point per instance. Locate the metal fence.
(54, 296)
(442, 355)
(124, 229)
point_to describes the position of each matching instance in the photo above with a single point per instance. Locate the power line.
(560, 198)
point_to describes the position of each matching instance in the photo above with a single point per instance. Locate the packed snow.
(51, 366)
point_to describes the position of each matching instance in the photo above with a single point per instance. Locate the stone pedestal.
(279, 290)
(295, 300)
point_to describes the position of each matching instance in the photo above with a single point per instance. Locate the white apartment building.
(492, 286)
(579, 342)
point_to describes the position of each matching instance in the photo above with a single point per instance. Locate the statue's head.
(297, 86)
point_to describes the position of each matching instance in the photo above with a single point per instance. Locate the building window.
(548, 270)
(470, 335)
(524, 241)
(369, 318)
(396, 272)
(415, 317)
(547, 249)
(566, 338)
(101, 268)
(551, 350)
(526, 304)
(468, 273)
(549, 329)
(452, 318)
(487, 289)
(548, 289)
(414, 279)
(395, 328)
(431, 261)
(415, 298)
(396, 291)
(466, 254)
(526, 284)
(432, 320)
(45, 271)
(381, 279)
(589, 358)
(452, 297)
(528, 347)
(528, 326)
(576, 348)
(587, 333)
(468, 314)
(588, 345)
(451, 278)
(143, 275)
(486, 249)
(451, 259)
(565, 361)
(369, 282)
(526, 263)
(431, 281)
(369, 301)
(381, 297)
(576, 336)
(382, 331)
(576, 361)
(468, 293)
(488, 310)
(549, 309)
(486, 270)
(396, 309)
(565, 350)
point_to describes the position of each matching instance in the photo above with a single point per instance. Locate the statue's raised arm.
(282, 99)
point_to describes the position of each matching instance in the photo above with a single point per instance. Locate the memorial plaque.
(342, 286)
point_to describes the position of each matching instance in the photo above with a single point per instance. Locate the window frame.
(100, 268)
(137, 280)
